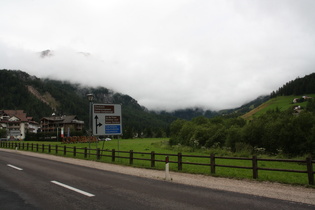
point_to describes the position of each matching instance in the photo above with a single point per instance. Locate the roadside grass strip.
(12, 166)
(73, 189)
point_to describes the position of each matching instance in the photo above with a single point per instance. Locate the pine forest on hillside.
(42, 97)
(288, 132)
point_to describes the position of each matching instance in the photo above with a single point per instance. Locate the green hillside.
(281, 103)
(42, 97)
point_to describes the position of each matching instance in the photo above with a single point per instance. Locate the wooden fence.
(160, 157)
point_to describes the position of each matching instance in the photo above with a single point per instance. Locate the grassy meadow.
(161, 146)
(280, 102)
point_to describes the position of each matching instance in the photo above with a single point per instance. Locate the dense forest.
(276, 132)
(299, 86)
(49, 96)
(65, 98)
(288, 133)
(272, 133)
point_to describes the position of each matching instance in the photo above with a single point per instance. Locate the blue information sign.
(112, 129)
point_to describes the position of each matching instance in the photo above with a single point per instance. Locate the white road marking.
(17, 168)
(72, 188)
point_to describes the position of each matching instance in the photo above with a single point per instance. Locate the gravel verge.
(265, 189)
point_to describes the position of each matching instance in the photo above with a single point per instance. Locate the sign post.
(107, 119)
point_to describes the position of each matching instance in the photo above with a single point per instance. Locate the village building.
(62, 124)
(17, 124)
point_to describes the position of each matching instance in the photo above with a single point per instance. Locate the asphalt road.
(34, 183)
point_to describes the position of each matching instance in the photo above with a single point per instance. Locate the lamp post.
(90, 97)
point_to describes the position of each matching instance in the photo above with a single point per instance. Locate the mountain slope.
(282, 99)
(281, 103)
(42, 97)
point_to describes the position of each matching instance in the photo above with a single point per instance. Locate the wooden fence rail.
(154, 157)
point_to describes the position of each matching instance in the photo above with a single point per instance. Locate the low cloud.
(165, 54)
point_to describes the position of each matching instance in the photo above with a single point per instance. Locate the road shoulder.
(265, 189)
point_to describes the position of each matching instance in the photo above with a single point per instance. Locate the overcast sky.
(167, 54)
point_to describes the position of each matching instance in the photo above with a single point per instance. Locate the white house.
(17, 124)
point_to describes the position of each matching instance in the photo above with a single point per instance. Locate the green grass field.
(281, 102)
(160, 145)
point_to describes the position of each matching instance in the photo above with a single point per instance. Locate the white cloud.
(165, 54)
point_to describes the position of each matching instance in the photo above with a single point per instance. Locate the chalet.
(17, 124)
(300, 100)
(53, 123)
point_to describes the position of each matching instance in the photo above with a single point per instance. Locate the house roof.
(16, 113)
(65, 119)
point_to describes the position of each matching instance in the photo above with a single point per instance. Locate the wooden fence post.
(255, 167)
(37, 147)
(98, 154)
(85, 152)
(43, 148)
(64, 150)
(49, 148)
(74, 151)
(27, 146)
(310, 171)
(56, 149)
(113, 155)
(212, 163)
(152, 159)
(131, 157)
(180, 160)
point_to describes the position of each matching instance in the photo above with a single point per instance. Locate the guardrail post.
(180, 161)
(113, 155)
(167, 169)
(131, 157)
(152, 159)
(212, 163)
(255, 167)
(310, 171)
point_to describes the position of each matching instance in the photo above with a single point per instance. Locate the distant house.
(306, 98)
(300, 100)
(53, 123)
(296, 100)
(17, 124)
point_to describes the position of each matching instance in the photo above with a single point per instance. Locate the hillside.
(299, 86)
(42, 97)
(282, 99)
(282, 103)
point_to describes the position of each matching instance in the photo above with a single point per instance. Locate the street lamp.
(90, 97)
